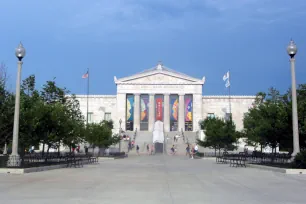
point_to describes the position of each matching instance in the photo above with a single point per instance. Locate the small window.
(227, 116)
(210, 115)
(107, 116)
(90, 117)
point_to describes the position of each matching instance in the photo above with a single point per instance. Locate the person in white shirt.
(196, 148)
(176, 138)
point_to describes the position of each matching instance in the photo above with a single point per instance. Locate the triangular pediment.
(159, 75)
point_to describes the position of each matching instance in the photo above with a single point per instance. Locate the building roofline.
(232, 96)
(96, 96)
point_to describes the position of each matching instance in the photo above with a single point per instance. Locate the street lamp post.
(120, 131)
(292, 50)
(14, 159)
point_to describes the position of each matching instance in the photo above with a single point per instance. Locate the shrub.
(300, 160)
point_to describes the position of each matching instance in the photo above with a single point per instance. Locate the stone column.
(181, 119)
(121, 111)
(166, 113)
(151, 112)
(137, 111)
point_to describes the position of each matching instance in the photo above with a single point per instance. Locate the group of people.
(150, 149)
(131, 145)
(191, 151)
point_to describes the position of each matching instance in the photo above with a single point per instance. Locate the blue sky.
(123, 37)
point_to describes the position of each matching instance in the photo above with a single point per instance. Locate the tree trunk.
(5, 149)
(43, 150)
(261, 148)
(215, 151)
(58, 150)
(47, 152)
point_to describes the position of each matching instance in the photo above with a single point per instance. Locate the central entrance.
(158, 136)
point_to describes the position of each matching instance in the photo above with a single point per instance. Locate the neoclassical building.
(162, 94)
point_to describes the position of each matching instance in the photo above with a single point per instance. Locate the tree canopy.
(220, 134)
(269, 122)
(50, 116)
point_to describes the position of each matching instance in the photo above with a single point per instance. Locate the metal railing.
(38, 160)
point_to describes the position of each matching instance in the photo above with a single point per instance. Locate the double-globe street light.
(292, 50)
(14, 159)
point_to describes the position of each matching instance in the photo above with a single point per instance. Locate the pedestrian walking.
(173, 150)
(192, 152)
(152, 149)
(137, 149)
(188, 150)
(148, 148)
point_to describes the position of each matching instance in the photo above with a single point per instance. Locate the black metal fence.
(53, 158)
(253, 157)
(38, 160)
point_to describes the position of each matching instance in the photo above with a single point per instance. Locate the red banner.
(159, 109)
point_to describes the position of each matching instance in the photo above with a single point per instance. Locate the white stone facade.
(161, 80)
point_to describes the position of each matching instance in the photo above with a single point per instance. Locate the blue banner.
(130, 108)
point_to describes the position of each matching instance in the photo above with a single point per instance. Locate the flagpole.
(229, 94)
(87, 96)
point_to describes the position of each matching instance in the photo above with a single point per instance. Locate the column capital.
(152, 94)
(166, 94)
(136, 94)
(181, 94)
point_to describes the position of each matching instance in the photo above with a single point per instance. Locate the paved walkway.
(153, 179)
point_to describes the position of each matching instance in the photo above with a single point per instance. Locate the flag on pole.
(84, 76)
(226, 78)
(227, 84)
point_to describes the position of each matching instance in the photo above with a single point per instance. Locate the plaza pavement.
(153, 179)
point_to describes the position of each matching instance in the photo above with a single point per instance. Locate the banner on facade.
(144, 109)
(174, 109)
(130, 108)
(159, 109)
(188, 109)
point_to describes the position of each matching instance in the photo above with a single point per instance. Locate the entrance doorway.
(159, 147)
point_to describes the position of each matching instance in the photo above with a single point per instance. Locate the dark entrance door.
(159, 147)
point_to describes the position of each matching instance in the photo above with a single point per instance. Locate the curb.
(31, 170)
(276, 169)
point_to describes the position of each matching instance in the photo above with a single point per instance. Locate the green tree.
(6, 109)
(220, 134)
(100, 135)
(269, 122)
(29, 120)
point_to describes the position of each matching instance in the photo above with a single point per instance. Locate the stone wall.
(99, 105)
(219, 106)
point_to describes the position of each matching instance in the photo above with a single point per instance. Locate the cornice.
(96, 96)
(232, 97)
(125, 80)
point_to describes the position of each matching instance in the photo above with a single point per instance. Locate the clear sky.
(123, 37)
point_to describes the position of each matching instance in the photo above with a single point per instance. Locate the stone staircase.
(143, 138)
(181, 144)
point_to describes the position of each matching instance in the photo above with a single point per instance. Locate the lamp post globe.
(292, 50)
(20, 52)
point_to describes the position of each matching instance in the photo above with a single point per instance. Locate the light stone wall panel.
(219, 105)
(98, 105)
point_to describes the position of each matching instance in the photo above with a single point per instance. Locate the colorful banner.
(188, 109)
(159, 109)
(144, 109)
(174, 109)
(130, 108)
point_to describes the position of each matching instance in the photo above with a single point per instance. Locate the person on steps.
(137, 149)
